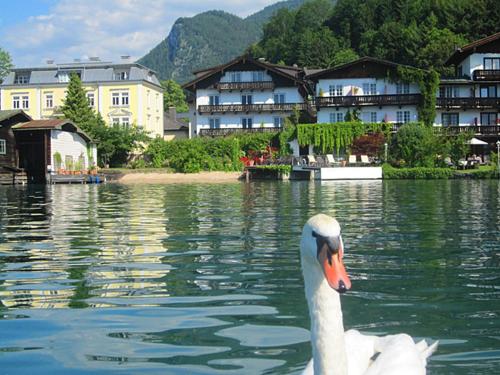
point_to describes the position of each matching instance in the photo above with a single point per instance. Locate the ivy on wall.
(337, 136)
(428, 83)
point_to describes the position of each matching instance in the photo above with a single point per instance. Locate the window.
(488, 91)
(120, 98)
(258, 76)
(492, 63)
(64, 75)
(247, 123)
(214, 100)
(235, 76)
(402, 88)
(279, 122)
(20, 102)
(402, 117)
(336, 117)
(449, 92)
(489, 118)
(121, 76)
(279, 98)
(373, 117)
(3, 146)
(125, 122)
(369, 89)
(115, 120)
(214, 123)
(91, 99)
(16, 102)
(246, 99)
(336, 90)
(449, 119)
(21, 78)
(49, 100)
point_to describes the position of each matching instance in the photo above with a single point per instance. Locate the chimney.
(94, 58)
(125, 57)
(76, 60)
(172, 113)
(50, 62)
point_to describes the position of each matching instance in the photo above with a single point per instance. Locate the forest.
(421, 33)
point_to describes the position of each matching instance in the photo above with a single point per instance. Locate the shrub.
(414, 145)
(417, 173)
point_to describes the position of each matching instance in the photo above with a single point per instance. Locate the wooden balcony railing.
(465, 103)
(226, 131)
(475, 129)
(486, 75)
(223, 108)
(256, 85)
(358, 100)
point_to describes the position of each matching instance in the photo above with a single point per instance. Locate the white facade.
(475, 62)
(244, 99)
(71, 146)
(369, 111)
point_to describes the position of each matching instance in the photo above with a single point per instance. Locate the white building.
(472, 99)
(245, 94)
(364, 86)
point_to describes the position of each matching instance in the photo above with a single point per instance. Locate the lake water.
(206, 279)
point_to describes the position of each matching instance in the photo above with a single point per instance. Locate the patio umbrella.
(476, 142)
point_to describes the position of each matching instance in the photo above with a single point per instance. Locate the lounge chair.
(365, 160)
(311, 161)
(352, 159)
(330, 160)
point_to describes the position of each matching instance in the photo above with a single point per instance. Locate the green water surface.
(206, 279)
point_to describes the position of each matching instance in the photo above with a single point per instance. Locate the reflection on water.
(206, 279)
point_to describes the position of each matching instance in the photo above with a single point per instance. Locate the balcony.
(486, 75)
(247, 108)
(222, 132)
(361, 100)
(475, 129)
(256, 85)
(466, 103)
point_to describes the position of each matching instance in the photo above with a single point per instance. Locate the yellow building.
(124, 93)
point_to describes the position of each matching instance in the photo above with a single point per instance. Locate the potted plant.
(58, 162)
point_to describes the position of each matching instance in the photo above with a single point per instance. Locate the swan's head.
(322, 245)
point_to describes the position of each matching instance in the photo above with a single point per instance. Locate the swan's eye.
(314, 234)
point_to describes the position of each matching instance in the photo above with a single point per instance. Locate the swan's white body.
(336, 352)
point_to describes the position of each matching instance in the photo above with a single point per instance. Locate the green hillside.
(209, 38)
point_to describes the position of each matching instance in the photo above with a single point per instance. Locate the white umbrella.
(475, 141)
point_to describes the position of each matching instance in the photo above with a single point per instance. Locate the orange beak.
(334, 269)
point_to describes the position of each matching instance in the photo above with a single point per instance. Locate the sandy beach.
(177, 178)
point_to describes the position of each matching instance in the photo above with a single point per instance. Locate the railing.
(280, 107)
(355, 100)
(256, 85)
(476, 129)
(468, 103)
(226, 131)
(486, 75)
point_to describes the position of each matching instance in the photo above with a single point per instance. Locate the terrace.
(360, 100)
(486, 75)
(465, 103)
(222, 132)
(278, 107)
(255, 85)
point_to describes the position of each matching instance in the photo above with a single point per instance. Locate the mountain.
(207, 39)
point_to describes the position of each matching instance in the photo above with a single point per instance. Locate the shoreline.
(174, 178)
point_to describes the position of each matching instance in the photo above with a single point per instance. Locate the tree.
(5, 64)
(173, 96)
(76, 106)
(415, 145)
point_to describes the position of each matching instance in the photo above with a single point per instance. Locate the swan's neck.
(327, 328)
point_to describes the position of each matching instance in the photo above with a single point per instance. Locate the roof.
(90, 72)
(290, 72)
(52, 124)
(6, 114)
(489, 44)
(370, 60)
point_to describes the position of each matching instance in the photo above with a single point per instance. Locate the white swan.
(336, 352)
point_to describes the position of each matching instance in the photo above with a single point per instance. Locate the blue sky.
(34, 31)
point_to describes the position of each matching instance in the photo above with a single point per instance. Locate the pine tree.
(76, 106)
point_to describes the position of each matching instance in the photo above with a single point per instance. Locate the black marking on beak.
(332, 244)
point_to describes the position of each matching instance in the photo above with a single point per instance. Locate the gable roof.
(362, 63)
(288, 72)
(9, 113)
(52, 124)
(489, 44)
